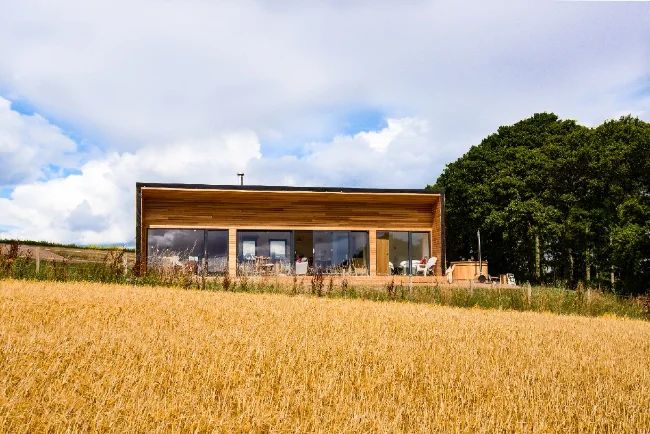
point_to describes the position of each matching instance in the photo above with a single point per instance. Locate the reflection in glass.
(171, 247)
(278, 249)
(188, 248)
(420, 251)
(338, 252)
(217, 251)
(359, 253)
(322, 250)
(401, 252)
(249, 248)
(264, 252)
(261, 252)
(331, 251)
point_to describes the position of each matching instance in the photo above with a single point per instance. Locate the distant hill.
(68, 252)
(106, 246)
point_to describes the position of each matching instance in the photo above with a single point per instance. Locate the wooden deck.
(356, 280)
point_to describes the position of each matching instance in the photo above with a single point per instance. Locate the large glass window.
(249, 248)
(302, 252)
(336, 252)
(420, 252)
(359, 253)
(401, 252)
(264, 252)
(331, 251)
(188, 248)
(171, 247)
(216, 249)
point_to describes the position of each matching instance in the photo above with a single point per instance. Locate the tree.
(622, 171)
(555, 201)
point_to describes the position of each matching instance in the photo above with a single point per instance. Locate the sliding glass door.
(401, 252)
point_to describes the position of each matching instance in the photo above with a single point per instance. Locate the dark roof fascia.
(140, 185)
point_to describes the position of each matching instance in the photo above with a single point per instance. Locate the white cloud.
(98, 205)
(82, 219)
(381, 140)
(160, 87)
(401, 155)
(28, 144)
(129, 73)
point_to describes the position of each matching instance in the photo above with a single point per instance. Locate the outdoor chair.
(301, 267)
(404, 266)
(429, 267)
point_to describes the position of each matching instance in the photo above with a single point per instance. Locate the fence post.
(38, 260)
(529, 293)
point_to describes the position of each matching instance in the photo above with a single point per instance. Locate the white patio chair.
(428, 267)
(404, 267)
(301, 267)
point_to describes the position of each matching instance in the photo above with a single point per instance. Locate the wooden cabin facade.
(286, 231)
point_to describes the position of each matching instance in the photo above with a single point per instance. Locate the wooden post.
(232, 252)
(38, 260)
(529, 293)
(372, 251)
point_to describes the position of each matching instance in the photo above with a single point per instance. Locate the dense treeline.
(556, 202)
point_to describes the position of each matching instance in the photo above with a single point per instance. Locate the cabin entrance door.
(382, 256)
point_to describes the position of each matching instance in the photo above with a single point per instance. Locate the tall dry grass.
(92, 357)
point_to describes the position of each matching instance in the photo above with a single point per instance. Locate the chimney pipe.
(241, 178)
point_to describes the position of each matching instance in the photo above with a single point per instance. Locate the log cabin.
(370, 235)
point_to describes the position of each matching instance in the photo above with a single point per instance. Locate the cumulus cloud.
(402, 155)
(129, 73)
(194, 91)
(29, 145)
(82, 219)
(97, 205)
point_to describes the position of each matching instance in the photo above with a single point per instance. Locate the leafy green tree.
(622, 171)
(555, 201)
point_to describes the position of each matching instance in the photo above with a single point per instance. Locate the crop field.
(80, 357)
(66, 253)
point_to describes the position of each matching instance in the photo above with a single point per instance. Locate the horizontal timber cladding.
(288, 209)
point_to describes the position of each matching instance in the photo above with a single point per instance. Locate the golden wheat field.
(94, 357)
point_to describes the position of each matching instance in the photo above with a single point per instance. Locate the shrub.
(317, 282)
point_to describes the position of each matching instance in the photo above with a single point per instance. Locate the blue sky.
(95, 96)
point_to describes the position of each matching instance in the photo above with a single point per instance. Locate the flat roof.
(140, 185)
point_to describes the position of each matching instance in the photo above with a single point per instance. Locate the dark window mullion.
(349, 251)
(292, 251)
(205, 247)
